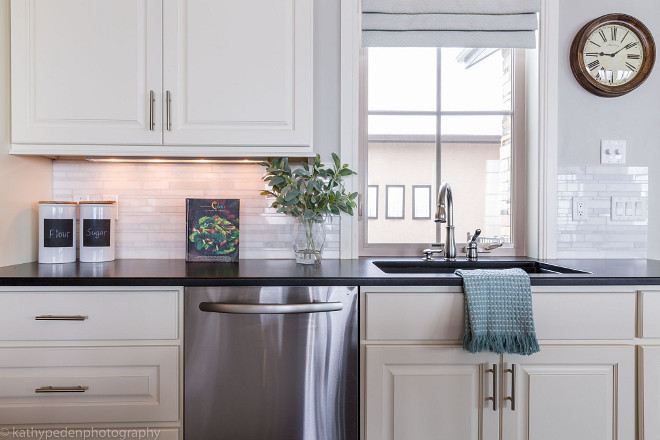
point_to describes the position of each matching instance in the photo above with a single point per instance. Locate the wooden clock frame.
(582, 74)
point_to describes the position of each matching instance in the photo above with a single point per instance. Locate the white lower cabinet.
(570, 393)
(420, 384)
(81, 385)
(430, 392)
(82, 358)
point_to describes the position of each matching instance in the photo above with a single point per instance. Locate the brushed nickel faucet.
(445, 214)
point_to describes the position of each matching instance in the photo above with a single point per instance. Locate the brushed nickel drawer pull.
(152, 101)
(512, 397)
(168, 112)
(494, 398)
(60, 318)
(51, 389)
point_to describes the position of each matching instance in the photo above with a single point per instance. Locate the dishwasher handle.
(317, 307)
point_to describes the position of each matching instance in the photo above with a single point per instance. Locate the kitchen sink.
(441, 266)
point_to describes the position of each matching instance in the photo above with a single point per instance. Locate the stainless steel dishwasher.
(271, 363)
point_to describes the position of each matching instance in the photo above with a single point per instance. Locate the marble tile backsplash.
(152, 212)
(602, 234)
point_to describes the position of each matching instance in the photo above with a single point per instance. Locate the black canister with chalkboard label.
(57, 232)
(97, 232)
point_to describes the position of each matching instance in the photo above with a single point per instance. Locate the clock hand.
(617, 51)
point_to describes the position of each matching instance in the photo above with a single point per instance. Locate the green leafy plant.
(310, 192)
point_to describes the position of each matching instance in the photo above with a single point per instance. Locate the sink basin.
(441, 266)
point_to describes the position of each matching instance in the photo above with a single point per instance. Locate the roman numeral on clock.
(631, 67)
(613, 28)
(602, 35)
(633, 56)
(594, 43)
(631, 45)
(593, 65)
(592, 54)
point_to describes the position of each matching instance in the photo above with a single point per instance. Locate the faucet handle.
(476, 235)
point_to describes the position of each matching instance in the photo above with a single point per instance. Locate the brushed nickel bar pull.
(494, 398)
(271, 308)
(168, 110)
(51, 389)
(152, 100)
(60, 318)
(512, 397)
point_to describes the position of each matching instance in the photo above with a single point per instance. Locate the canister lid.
(57, 202)
(100, 202)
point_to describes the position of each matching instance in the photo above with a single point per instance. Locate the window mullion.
(438, 137)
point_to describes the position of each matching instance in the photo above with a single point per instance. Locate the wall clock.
(612, 55)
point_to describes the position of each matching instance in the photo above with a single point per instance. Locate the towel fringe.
(525, 344)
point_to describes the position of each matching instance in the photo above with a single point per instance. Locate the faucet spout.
(445, 214)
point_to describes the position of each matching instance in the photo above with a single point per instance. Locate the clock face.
(612, 55)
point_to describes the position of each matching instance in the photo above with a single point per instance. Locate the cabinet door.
(239, 73)
(82, 71)
(428, 392)
(649, 386)
(570, 393)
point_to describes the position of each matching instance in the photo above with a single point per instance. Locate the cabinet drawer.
(428, 315)
(121, 384)
(106, 315)
(649, 304)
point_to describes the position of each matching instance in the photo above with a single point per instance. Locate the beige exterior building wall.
(463, 165)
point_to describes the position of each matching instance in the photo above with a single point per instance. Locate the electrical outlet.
(612, 152)
(115, 199)
(580, 209)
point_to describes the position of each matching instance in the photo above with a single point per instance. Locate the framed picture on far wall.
(212, 230)
(421, 202)
(395, 200)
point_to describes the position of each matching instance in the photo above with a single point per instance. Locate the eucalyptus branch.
(311, 191)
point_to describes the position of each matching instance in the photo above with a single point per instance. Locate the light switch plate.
(629, 209)
(612, 151)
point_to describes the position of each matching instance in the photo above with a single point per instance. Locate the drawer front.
(400, 316)
(414, 315)
(122, 384)
(584, 315)
(145, 433)
(649, 313)
(90, 315)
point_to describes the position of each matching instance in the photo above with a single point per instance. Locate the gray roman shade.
(450, 23)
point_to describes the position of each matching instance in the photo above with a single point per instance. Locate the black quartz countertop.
(286, 272)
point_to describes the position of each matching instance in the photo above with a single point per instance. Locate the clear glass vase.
(308, 240)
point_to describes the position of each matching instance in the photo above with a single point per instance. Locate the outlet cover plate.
(580, 209)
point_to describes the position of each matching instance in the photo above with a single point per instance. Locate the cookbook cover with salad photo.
(212, 230)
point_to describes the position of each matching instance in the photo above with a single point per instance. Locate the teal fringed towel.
(498, 311)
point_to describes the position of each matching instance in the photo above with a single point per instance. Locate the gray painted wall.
(326, 77)
(585, 119)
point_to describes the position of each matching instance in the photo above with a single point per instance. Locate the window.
(433, 115)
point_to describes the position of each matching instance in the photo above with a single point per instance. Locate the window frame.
(518, 168)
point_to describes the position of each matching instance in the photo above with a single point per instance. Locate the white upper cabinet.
(238, 72)
(227, 77)
(83, 70)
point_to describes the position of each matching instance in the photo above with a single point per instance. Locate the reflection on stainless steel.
(259, 374)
